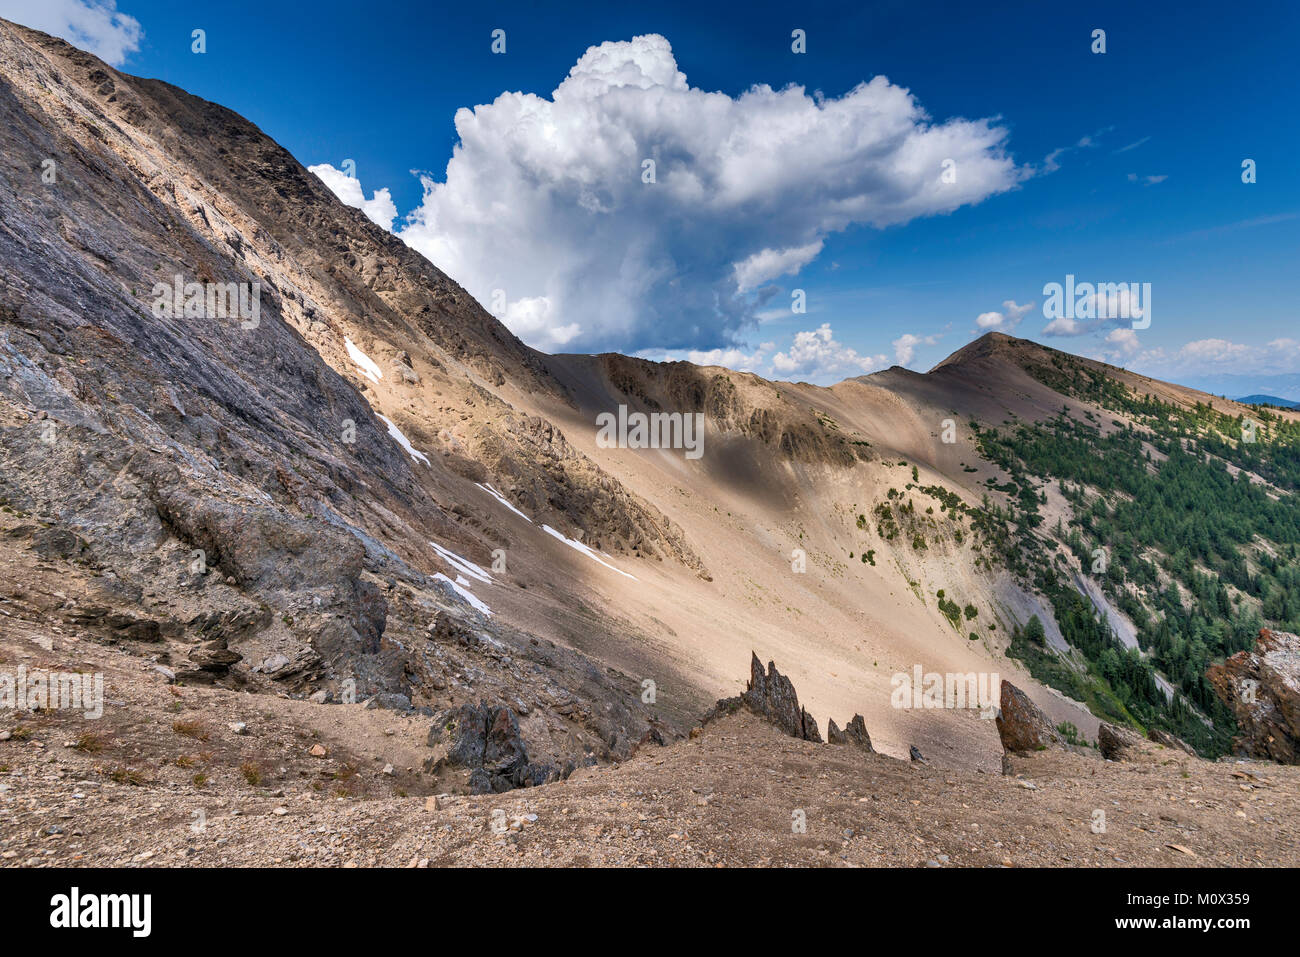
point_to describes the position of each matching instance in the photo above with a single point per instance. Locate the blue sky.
(1115, 167)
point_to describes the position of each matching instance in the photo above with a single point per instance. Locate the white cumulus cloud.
(737, 358)
(530, 318)
(1217, 352)
(816, 355)
(1212, 356)
(905, 346)
(549, 199)
(92, 25)
(379, 209)
(1066, 327)
(1003, 321)
(1123, 344)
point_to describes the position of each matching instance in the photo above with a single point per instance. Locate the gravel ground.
(739, 793)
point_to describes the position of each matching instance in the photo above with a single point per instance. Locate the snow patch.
(468, 595)
(502, 499)
(365, 365)
(463, 565)
(586, 551)
(403, 441)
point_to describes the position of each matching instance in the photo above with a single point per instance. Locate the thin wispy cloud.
(1052, 161)
(1131, 146)
(1219, 355)
(1211, 231)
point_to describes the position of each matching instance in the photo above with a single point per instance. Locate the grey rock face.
(486, 741)
(224, 485)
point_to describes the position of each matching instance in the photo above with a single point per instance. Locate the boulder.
(1022, 725)
(447, 629)
(123, 625)
(58, 543)
(1116, 743)
(1262, 687)
(391, 700)
(137, 629)
(274, 663)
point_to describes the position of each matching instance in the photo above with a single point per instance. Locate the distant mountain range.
(1286, 385)
(1258, 399)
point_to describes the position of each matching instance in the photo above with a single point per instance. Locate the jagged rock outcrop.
(1022, 725)
(1262, 687)
(771, 695)
(855, 732)
(485, 740)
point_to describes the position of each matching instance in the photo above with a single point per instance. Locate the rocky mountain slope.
(352, 502)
